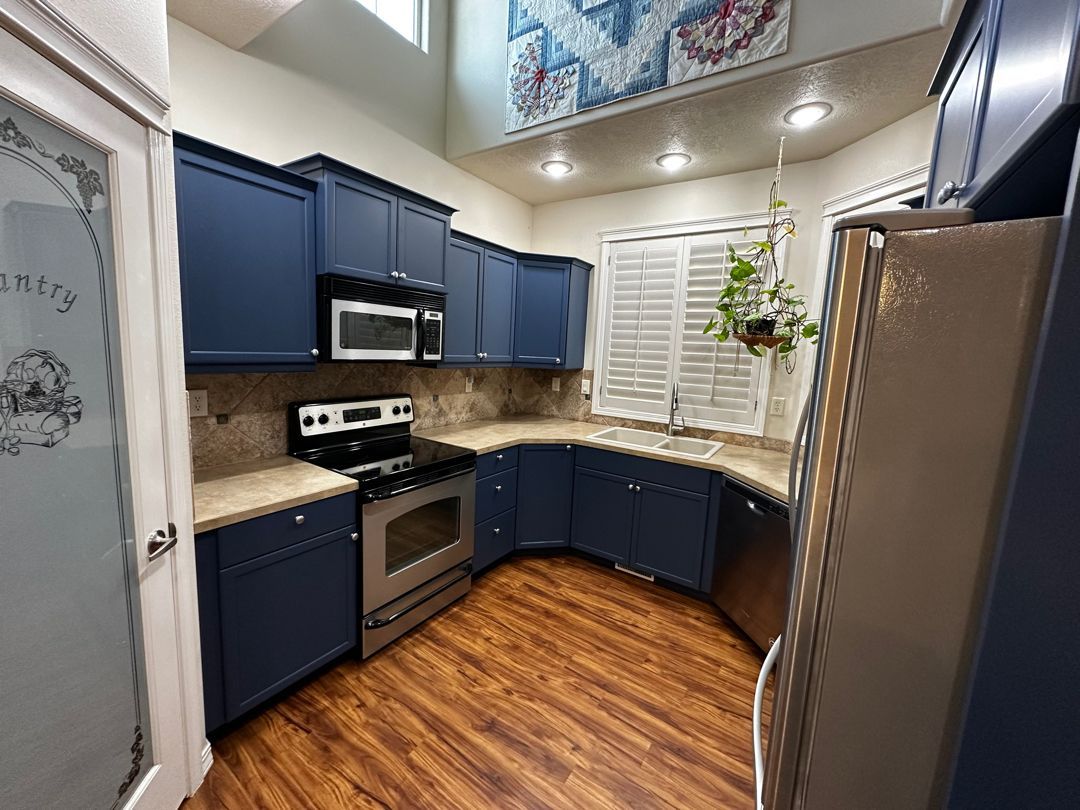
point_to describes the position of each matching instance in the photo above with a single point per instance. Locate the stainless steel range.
(417, 507)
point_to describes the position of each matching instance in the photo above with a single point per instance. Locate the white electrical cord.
(759, 696)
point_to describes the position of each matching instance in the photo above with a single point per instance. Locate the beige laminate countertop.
(766, 470)
(238, 492)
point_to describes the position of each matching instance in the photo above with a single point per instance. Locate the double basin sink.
(658, 442)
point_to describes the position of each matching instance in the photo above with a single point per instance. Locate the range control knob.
(396, 410)
(323, 418)
(396, 467)
(407, 409)
(308, 421)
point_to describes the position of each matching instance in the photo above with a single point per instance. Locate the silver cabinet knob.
(354, 536)
(949, 190)
(479, 355)
(558, 361)
(314, 352)
(395, 274)
(569, 447)
(498, 487)
(496, 531)
(299, 520)
(403, 276)
(630, 487)
(499, 457)
(637, 488)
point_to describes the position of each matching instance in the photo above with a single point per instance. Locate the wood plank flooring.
(555, 683)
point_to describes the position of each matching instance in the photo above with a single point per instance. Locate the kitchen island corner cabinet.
(246, 233)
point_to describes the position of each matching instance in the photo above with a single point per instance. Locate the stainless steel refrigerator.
(929, 327)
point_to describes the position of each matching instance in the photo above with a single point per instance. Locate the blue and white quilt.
(565, 56)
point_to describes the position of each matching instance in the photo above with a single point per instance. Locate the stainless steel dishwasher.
(753, 556)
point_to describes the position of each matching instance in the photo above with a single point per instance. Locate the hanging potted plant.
(759, 307)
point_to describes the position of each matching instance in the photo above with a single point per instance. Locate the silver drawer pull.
(498, 487)
(499, 457)
(299, 520)
(496, 531)
(354, 536)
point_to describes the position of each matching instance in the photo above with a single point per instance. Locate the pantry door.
(90, 683)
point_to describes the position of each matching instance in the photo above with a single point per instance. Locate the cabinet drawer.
(494, 539)
(491, 463)
(253, 538)
(693, 479)
(495, 494)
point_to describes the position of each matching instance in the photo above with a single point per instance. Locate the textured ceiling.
(729, 130)
(231, 22)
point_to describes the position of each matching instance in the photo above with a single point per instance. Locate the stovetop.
(370, 440)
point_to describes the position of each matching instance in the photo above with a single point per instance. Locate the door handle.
(158, 544)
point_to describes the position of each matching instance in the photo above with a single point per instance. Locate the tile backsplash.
(247, 411)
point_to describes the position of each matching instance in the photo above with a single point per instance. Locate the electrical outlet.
(197, 403)
(555, 383)
(469, 380)
(586, 387)
(776, 406)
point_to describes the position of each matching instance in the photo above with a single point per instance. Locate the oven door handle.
(375, 624)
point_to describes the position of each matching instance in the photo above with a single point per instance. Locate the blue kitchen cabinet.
(480, 283)
(278, 598)
(1001, 142)
(603, 520)
(247, 261)
(494, 540)
(464, 266)
(669, 533)
(551, 312)
(374, 230)
(545, 493)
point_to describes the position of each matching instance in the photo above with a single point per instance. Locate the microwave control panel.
(432, 336)
(318, 420)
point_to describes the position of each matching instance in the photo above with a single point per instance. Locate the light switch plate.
(197, 403)
(776, 406)
(555, 383)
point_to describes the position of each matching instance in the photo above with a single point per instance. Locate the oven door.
(414, 536)
(360, 330)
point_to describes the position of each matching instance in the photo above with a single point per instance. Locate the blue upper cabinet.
(247, 261)
(480, 282)
(373, 230)
(551, 312)
(1009, 87)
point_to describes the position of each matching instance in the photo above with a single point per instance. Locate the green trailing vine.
(759, 307)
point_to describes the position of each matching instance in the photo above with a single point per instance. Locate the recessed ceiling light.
(806, 114)
(557, 168)
(673, 160)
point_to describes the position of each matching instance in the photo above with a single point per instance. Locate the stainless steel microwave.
(359, 320)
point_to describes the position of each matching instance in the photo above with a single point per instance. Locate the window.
(658, 294)
(404, 16)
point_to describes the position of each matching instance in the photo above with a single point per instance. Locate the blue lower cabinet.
(496, 494)
(285, 614)
(494, 539)
(206, 578)
(545, 495)
(669, 533)
(603, 521)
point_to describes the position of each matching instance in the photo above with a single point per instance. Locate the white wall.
(271, 113)
(130, 31)
(819, 30)
(572, 227)
(341, 43)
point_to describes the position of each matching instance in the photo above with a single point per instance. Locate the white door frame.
(93, 74)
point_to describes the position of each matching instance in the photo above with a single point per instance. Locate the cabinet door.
(497, 309)
(603, 514)
(956, 120)
(361, 230)
(285, 614)
(669, 533)
(540, 317)
(545, 495)
(423, 242)
(247, 267)
(463, 268)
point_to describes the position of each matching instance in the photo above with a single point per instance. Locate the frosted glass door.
(73, 706)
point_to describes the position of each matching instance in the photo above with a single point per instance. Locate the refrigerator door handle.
(759, 697)
(793, 466)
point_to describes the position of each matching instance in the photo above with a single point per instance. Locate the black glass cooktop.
(393, 460)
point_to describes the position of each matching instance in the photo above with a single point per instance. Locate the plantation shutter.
(642, 301)
(717, 381)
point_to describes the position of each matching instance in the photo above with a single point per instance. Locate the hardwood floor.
(555, 683)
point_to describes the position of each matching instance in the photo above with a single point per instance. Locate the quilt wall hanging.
(565, 56)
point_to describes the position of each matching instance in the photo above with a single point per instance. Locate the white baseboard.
(207, 759)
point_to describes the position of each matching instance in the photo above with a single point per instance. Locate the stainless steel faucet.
(671, 429)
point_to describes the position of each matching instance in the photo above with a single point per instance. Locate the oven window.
(367, 330)
(422, 532)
